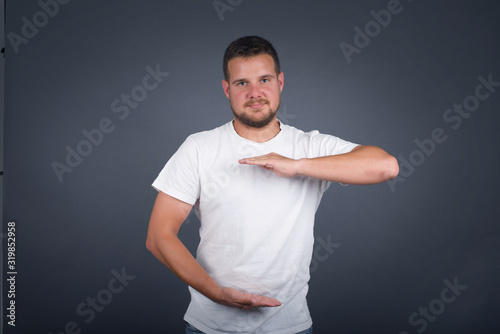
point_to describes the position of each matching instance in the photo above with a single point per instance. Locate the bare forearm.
(175, 256)
(167, 217)
(364, 165)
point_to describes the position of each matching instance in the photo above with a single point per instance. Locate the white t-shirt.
(256, 231)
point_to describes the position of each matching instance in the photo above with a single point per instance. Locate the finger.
(255, 159)
(257, 162)
(250, 161)
(263, 301)
(245, 161)
(246, 301)
(270, 302)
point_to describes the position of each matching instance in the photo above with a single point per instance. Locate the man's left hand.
(280, 165)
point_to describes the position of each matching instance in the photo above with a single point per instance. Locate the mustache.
(256, 101)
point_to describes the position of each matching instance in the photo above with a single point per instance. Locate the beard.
(244, 118)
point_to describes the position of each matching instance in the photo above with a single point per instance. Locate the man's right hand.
(235, 298)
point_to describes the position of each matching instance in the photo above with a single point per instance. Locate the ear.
(225, 87)
(281, 80)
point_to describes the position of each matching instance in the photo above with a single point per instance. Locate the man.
(256, 184)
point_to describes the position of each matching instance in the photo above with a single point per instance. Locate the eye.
(265, 80)
(241, 83)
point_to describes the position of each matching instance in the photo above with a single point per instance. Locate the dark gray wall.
(386, 255)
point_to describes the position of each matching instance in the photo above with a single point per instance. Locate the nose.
(254, 92)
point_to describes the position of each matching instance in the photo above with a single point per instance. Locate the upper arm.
(357, 148)
(167, 216)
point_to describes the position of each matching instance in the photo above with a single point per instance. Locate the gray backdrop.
(99, 95)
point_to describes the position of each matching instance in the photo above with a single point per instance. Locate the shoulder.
(308, 135)
(317, 143)
(208, 137)
(210, 134)
(300, 135)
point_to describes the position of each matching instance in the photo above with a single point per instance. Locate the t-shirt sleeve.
(322, 145)
(180, 178)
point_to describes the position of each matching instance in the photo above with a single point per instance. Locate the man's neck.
(258, 135)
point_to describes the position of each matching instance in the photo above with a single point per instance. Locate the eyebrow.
(260, 78)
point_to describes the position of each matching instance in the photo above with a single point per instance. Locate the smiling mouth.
(256, 104)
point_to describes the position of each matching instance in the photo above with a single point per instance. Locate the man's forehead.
(242, 64)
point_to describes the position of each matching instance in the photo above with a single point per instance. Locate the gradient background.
(394, 246)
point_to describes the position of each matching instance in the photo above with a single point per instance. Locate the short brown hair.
(249, 46)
